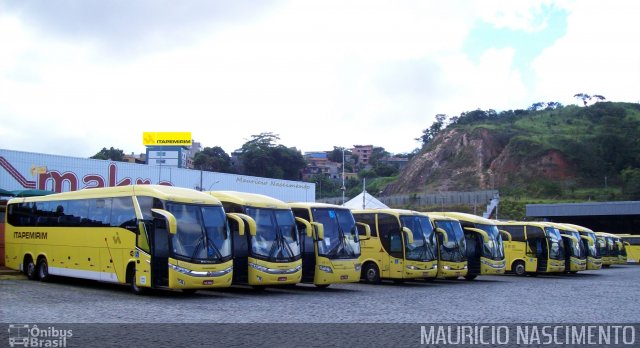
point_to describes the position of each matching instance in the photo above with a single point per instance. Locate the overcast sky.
(76, 76)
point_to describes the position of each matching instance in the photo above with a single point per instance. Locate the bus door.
(308, 252)
(473, 251)
(159, 242)
(392, 241)
(240, 253)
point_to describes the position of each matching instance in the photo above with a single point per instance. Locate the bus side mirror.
(243, 219)
(506, 234)
(443, 233)
(307, 226)
(172, 223)
(485, 236)
(589, 240)
(407, 232)
(319, 228)
(238, 220)
(367, 230)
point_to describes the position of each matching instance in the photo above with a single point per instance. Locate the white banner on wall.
(25, 170)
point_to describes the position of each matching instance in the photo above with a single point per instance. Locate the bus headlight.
(446, 268)
(200, 273)
(412, 267)
(325, 268)
(274, 271)
(358, 266)
(465, 267)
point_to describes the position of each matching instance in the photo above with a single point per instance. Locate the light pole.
(343, 188)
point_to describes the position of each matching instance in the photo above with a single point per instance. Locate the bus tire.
(519, 268)
(371, 273)
(30, 268)
(470, 276)
(131, 279)
(43, 269)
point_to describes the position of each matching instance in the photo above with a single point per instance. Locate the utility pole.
(343, 188)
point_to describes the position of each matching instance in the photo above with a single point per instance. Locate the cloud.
(79, 76)
(598, 54)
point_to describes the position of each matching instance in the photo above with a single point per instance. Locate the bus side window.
(122, 213)
(368, 219)
(390, 236)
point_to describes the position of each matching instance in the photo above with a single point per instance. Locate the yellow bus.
(148, 236)
(452, 259)
(616, 247)
(402, 245)
(270, 256)
(590, 242)
(484, 247)
(575, 251)
(607, 248)
(331, 254)
(632, 246)
(535, 247)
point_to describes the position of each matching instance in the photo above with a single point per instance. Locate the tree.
(631, 183)
(431, 132)
(336, 154)
(213, 159)
(377, 153)
(587, 98)
(261, 156)
(111, 154)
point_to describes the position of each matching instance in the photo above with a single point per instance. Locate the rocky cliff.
(460, 159)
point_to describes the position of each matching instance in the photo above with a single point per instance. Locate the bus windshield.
(577, 248)
(453, 249)
(203, 232)
(592, 250)
(492, 249)
(423, 247)
(340, 233)
(276, 234)
(556, 246)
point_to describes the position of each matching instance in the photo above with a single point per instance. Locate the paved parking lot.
(609, 295)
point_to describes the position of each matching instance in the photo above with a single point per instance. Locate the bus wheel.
(43, 270)
(519, 269)
(131, 279)
(30, 269)
(322, 286)
(470, 276)
(371, 273)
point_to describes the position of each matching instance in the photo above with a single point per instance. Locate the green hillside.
(557, 154)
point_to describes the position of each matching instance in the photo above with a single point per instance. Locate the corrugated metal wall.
(25, 170)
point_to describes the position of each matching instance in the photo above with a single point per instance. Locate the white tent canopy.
(365, 201)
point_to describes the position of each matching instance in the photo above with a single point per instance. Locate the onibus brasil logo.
(25, 335)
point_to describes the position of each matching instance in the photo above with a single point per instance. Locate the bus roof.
(439, 216)
(525, 223)
(469, 217)
(170, 193)
(578, 227)
(249, 199)
(562, 227)
(315, 205)
(396, 212)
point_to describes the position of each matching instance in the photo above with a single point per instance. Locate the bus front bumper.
(262, 273)
(184, 275)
